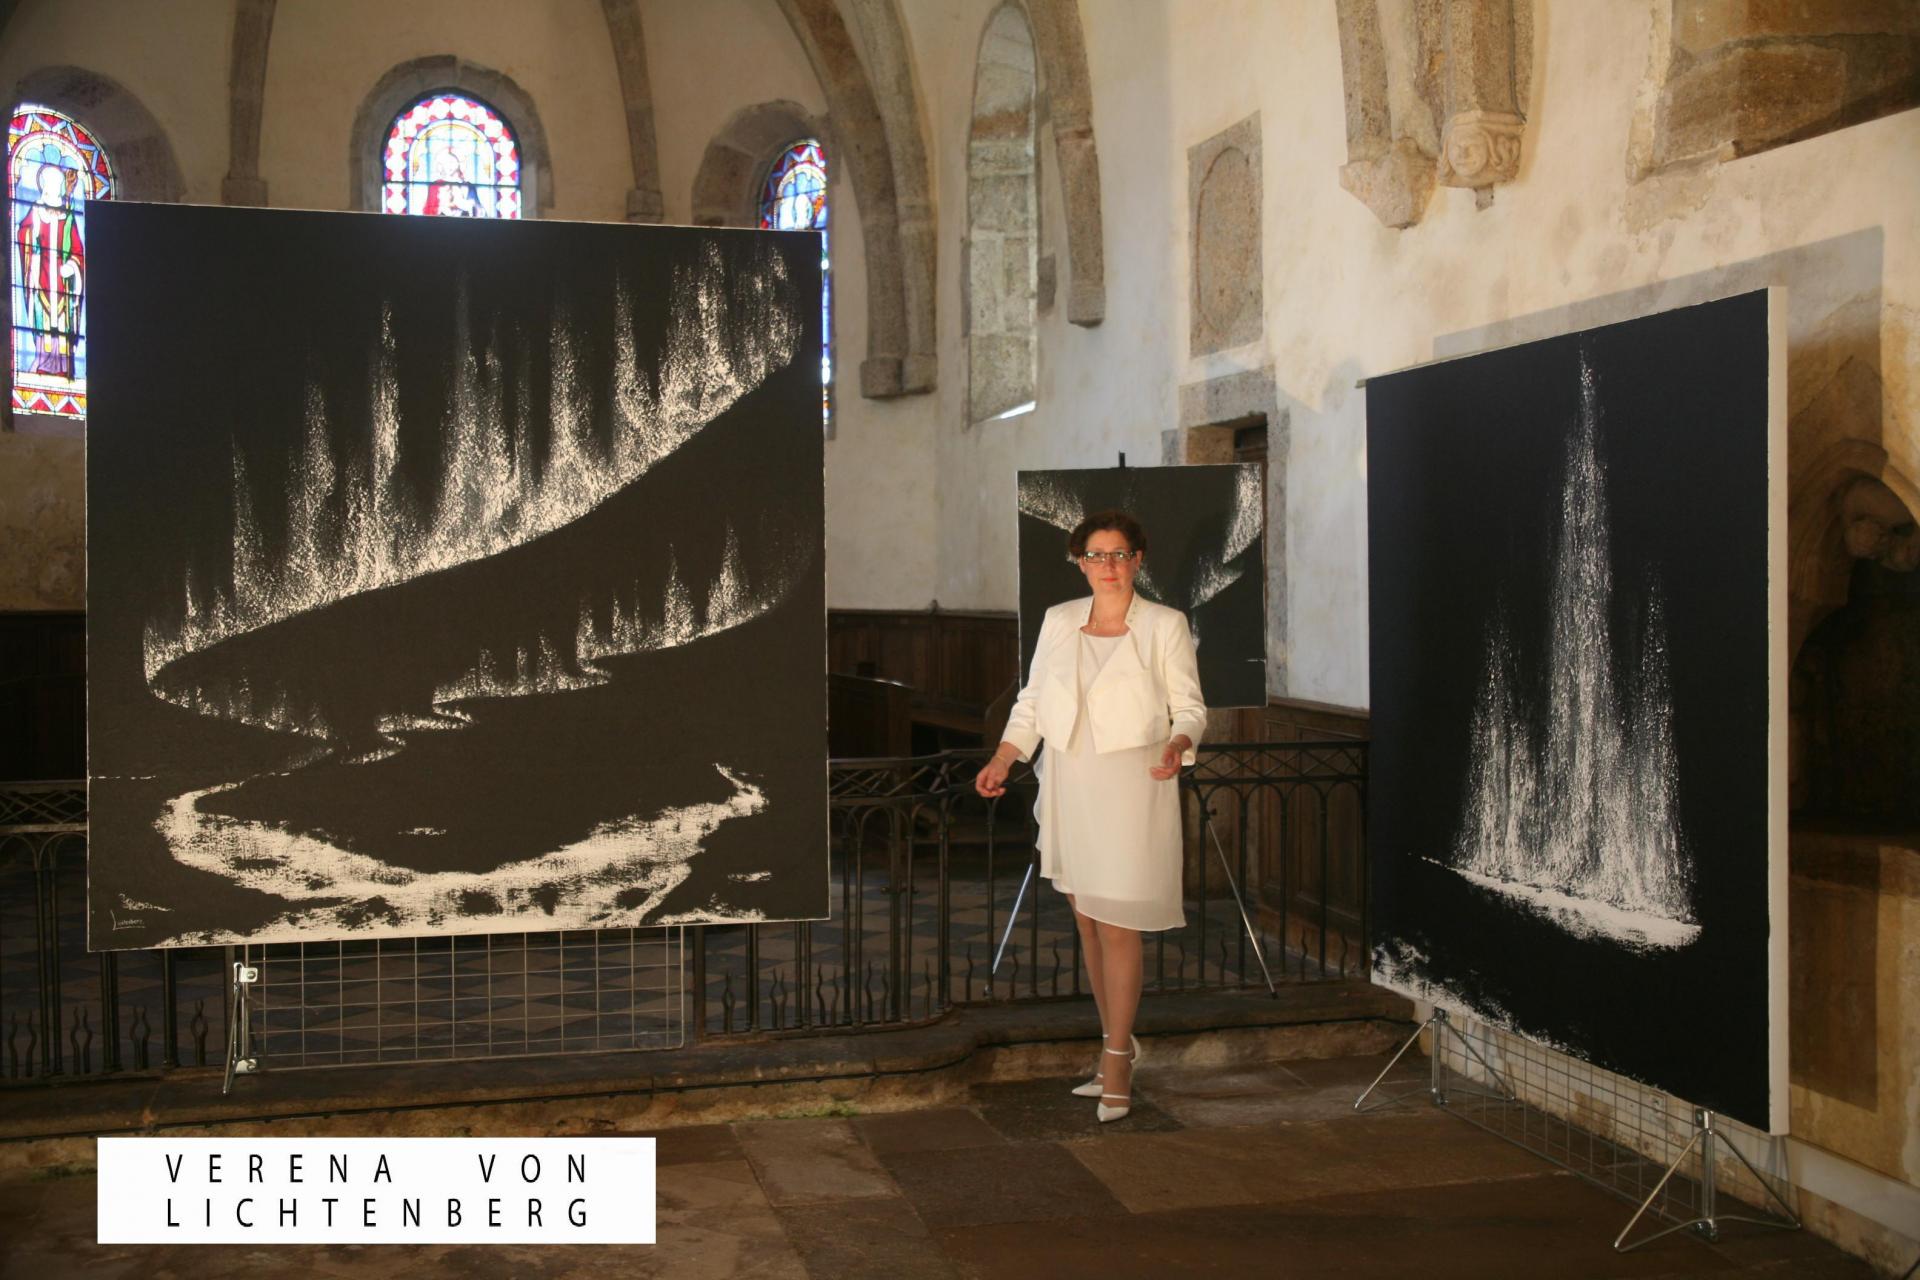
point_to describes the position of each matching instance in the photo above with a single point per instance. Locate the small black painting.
(1204, 527)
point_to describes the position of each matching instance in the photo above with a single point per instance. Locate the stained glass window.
(451, 156)
(54, 167)
(795, 199)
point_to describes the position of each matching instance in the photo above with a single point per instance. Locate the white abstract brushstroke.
(1216, 570)
(1581, 824)
(1403, 967)
(1586, 918)
(338, 888)
(542, 670)
(1044, 499)
(357, 528)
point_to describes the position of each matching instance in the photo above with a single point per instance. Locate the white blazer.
(1147, 692)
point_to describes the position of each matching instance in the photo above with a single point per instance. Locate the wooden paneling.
(1312, 839)
(958, 664)
(43, 696)
(868, 717)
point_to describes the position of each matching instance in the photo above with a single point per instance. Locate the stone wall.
(43, 566)
(1736, 78)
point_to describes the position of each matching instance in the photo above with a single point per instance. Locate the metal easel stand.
(240, 1056)
(1436, 1089)
(1246, 922)
(1706, 1221)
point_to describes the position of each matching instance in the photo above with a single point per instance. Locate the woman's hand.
(1170, 757)
(991, 781)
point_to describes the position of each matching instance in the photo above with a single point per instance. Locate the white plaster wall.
(327, 55)
(1346, 297)
(706, 60)
(177, 68)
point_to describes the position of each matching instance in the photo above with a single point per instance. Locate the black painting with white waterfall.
(1574, 810)
(1205, 557)
(451, 576)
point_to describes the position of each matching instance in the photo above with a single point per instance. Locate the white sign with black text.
(376, 1190)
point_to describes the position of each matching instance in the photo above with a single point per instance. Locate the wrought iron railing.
(936, 903)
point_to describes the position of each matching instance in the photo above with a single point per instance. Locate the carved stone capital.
(1480, 148)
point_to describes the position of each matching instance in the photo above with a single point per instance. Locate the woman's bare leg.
(1090, 952)
(1120, 963)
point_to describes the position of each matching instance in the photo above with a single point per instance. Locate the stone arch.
(246, 97)
(144, 166)
(889, 63)
(1003, 219)
(1068, 91)
(644, 202)
(726, 190)
(409, 81)
(900, 353)
(1850, 502)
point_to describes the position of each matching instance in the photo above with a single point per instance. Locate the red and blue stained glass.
(54, 167)
(451, 156)
(795, 199)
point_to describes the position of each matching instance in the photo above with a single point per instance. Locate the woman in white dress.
(1114, 694)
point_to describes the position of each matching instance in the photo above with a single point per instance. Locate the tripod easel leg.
(1013, 918)
(1438, 1023)
(1705, 1221)
(1245, 921)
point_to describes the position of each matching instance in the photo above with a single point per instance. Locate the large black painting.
(1574, 812)
(1204, 558)
(450, 575)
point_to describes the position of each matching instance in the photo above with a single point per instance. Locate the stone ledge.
(1018, 1041)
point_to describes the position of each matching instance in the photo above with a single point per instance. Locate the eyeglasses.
(1098, 558)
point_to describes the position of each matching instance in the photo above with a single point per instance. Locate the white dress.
(1114, 840)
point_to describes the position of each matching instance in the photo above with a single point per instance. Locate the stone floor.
(1254, 1170)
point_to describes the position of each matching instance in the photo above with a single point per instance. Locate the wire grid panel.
(1617, 1133)
(389, 1000)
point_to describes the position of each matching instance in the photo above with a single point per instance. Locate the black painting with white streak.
(1204, 558)
(451, 576)
(1569, 790)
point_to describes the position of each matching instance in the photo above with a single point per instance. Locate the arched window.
(1003, 223)
(451, 155)
(794, 198)
(54, 166)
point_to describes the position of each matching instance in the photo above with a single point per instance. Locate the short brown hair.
(1115, 521)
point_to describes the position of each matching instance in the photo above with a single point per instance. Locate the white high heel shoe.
(1106, 1114)
(1091, 1089)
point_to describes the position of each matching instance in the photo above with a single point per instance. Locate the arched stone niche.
(410, 81)
(144, 166)
(1003, 220)
(1066, 87)
(726, 190)
(1436, 92)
